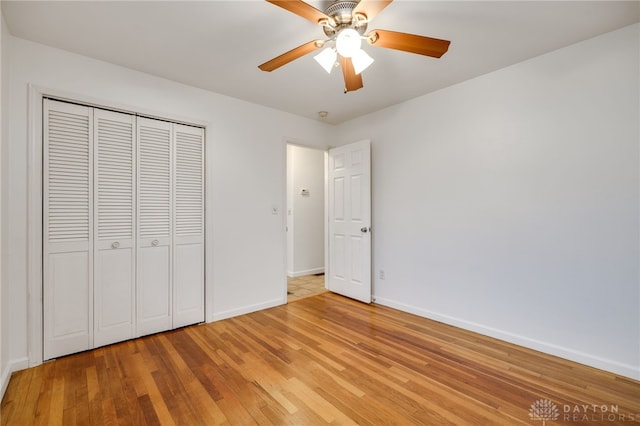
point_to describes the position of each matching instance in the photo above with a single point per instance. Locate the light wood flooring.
(304, 286)
(321, 360)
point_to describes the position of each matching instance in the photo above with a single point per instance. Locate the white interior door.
(188, 260)
(114, 265)
(350, 220)
(68, 229)
(155, 206)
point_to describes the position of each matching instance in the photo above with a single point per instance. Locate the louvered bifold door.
(188, 264)
(155, 205)
(67, 228)
(114, 251)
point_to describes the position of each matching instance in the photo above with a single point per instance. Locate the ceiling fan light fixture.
(327, 59)
(348, 42)
(361, 61)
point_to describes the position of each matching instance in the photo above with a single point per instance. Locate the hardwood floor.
(323, 359)
(304, 286)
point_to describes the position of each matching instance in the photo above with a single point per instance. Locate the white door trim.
(34, 227)
(295, 142)
(34, 204)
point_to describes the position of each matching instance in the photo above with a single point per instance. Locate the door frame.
(36, 94)
(327, 266)
(325, 150)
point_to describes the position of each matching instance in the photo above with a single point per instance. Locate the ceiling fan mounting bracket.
(341, 13)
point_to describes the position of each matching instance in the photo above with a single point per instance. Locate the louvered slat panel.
(114, 264)
(67, 227)
(155, 182)
(68, 176)
(188, 266)
(189, 184)
(115, 179)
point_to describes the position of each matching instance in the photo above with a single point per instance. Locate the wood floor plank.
(323, 359)
(188, 385)
(16, 400)
(56, 408)
(43, 399)
(96, 414)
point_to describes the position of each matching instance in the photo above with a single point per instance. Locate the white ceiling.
(217, 45)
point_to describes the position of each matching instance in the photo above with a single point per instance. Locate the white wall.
(509, 204)
(245, 174)
(305, 169)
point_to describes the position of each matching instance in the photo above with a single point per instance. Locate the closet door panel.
(189, 288)
(154, 285)
(155, 231)
(188, 291)
(114, 177)
(114, 300)
(68, 320)
(67, 229)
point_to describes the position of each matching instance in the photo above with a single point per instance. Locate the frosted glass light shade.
(327, 58)
(348, 42)
(361, 60)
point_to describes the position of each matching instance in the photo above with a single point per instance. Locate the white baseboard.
(307, 272)
(248, 309)
(4, 381)
(611, 366)
(15, 365)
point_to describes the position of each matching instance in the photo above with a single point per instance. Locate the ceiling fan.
(345, 23)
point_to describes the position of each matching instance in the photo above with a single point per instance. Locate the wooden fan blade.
(370, 8)
(352, 81)
(411, 43)
(291, 55)
(302, 9)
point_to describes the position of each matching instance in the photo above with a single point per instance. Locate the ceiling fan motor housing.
(342, 13)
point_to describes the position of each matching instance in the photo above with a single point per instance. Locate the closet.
(123, 226)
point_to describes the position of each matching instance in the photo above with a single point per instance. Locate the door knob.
(155, 243)
(115, 245)
(365, 229)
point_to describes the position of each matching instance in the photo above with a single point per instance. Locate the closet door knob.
(115, 245)
(155, 243)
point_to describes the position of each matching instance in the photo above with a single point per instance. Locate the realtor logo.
(544, 410)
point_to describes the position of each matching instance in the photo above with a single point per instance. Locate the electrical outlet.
(381, 274)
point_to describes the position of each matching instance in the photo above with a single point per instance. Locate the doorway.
(306, 169)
